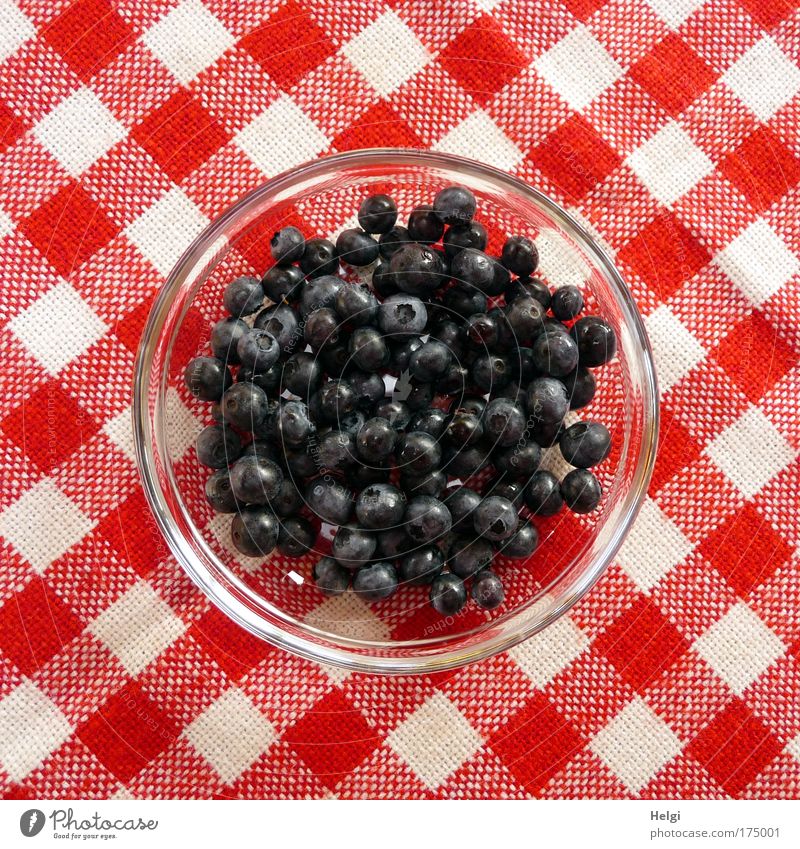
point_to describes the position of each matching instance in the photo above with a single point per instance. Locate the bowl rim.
(220, 595)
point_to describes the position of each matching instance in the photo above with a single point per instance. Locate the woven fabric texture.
(670, 127)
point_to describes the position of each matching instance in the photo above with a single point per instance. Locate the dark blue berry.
(355, 247)
(394, 542)
(377, 214)
(287, 245)
(353, 547)
(417, 269)
(380, 506)
(462, 503)
(580, 385)
(334, 400)
(421, 566)
(383, 281)
(336, 451)
(296, 536)
(519, 461)
(597, 342)
(448, 594)
(219, 493)
(429, 483)
(320, 292)
(329, 500)
(207, 378)
(525, 317)
(555, 353)
(418, 453)
(258, 350)
(402, 315)
(376, 582)
(581, 491)
(368, 349)
(424, 225)
(585, 444)
(282, 282)
(430, 360)
(464, 428)
(356, 305)
(245, 406)
(282, 322)
(503, 422)
(293, 424)
(254, 531)
(490, 371)
(543, 495)
(225, 336)
(496, 518)
(455, 205)
(520, 255)
(473, 269)
(376, 440)
(487, 590)
(392, 240)
(464, 303)
(331, 578)
(369, 387)
(288, 500)
(528, 287)
(432, 421)
(319, 257)
(255, 480)
(523, 543)
(460, 236)
(465, 462)
(321, 328)
(302, 374)
(546, 400)
(470, 556)
(427, 519)
(567, 303)
(397, 413)
(243, 296)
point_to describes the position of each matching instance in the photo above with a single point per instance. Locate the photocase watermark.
(66, 825)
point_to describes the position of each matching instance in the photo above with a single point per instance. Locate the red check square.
(12, 126)
(89, 34)
(677, 449)
(734, 747)
(68, 228)
(769, 13)
(237, 651)
(379, 126)
(35, 624)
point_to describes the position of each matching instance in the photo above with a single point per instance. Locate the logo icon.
(31, 822)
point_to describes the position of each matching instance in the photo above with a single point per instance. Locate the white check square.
(578, 68)
(78, 131)
(387, 53)
(435, 740)
(675, 12)
(478, 137)
(31, 729)
(653, 548)
(164, 230)
(58, 327)
(349, 616)
(636, 745)
(231, 734)
(42, 524)
(739, 647)
(758, 262)
(120, 431)
(137, 627)
(281, 137)
(751, 452)
(764, 78)
(544, 655)
(675, 350)
(670, 163)
(188, 39)
(15, 29)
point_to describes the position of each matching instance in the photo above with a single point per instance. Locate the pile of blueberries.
(486, 363)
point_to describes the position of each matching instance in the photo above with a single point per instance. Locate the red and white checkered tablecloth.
(669, 126)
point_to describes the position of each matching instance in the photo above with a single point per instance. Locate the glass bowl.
(274, 598)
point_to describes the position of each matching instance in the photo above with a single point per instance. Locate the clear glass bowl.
(275, 599)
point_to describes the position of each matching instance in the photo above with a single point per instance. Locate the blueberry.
(394, 542)
(567, 303)
(581, 491)
(255, 479)
(430, 360)
(421, 566)
(424, 225)
(481, 330)
(528, 287)
(455, 205)
(496, 518)
(330, 577)
(383, 280)
(353, 547)
(320, 292)
(287, 245)
(432, 421)
(368, 387)
(543, 495)
(397, 413)
(368, 349)
(429, 483)
(474, 404)
(522, 365)
(352, 422)
(243, 296)
(417, 269)
(470, 556)
(473, 269)
(356, 305)
(420, 395)
(464, 429)
(487, 590)
(418, 453)
(336, 451)
(503, 422)
(207, 378)
(465, 462)
(392, 240)
(585, 444)
(402, 315)
(282, 282)
(376, 582)
(453, 381)
(580, 385)
(269, 380)
(506, 487)
(332, 401)
(519, 461)
(525, 317)
(299, 461)
(319, 258)
(490, 371)
(555, 353)
(355, 247)
(302, 374)
(462, 503)
(219, 493)
(464, 303)
(254, 531)
(244, 405)
(523, 543)
(282, 322)
(520, 255)
(258, 350)
(296, 536)
(288, 500)
(376, 440)
(321, 328)
(335, 357)
(380, 506)
(293, 425)
(500, 281)
(461, 236)
(448, 594)
(507, 341)
(426, 519)
(225, 336)
(329, 500)
(597, 342)
(449, 333)
(546, 400)
(377, 214)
